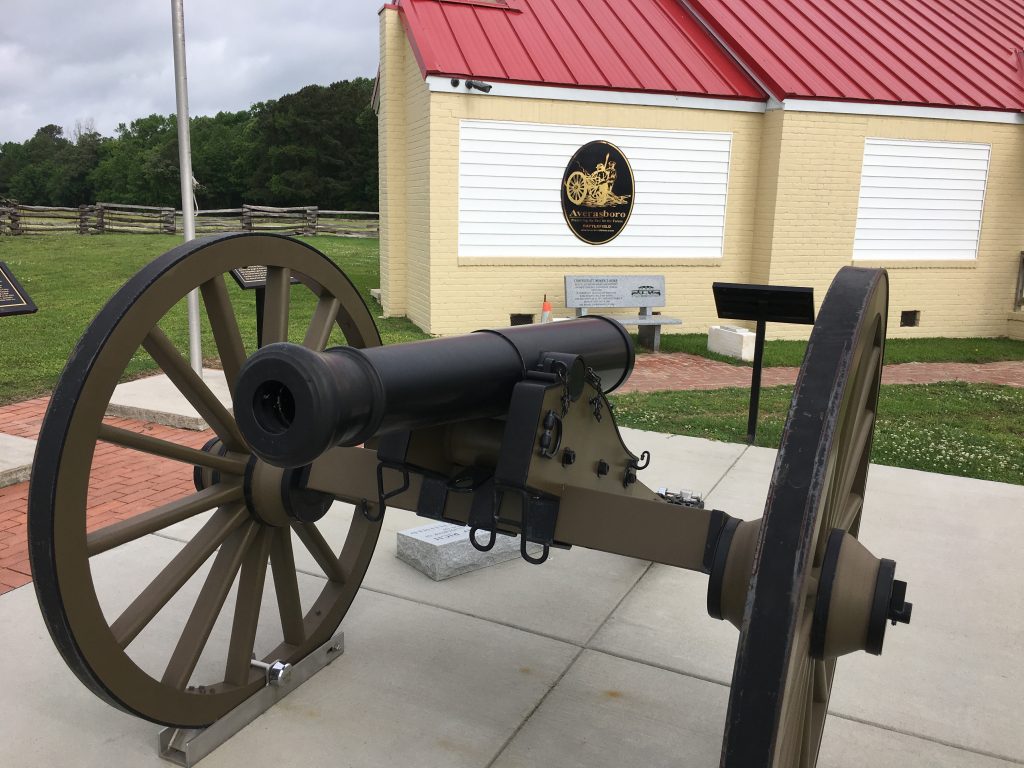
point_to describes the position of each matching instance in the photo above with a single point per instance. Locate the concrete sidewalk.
(591, 659)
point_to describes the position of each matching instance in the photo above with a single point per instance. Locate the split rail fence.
(103, 218)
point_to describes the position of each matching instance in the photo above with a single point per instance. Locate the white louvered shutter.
(920, 200)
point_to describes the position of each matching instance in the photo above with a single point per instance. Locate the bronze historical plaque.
(597, 192)
(250, 277)
(13, 299)
(254, 276)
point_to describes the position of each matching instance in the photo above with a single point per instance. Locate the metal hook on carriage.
(382, 497)
(482, 547)
(364, 510)
(524, 552)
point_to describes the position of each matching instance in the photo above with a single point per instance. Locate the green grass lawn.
(973, 430)
(70, 277)
(781, 352)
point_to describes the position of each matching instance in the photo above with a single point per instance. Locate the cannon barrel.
(293, 403)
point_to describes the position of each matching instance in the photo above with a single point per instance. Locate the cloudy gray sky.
(62, 61)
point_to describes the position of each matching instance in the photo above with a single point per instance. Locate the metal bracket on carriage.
(562, 375)
(393, 454)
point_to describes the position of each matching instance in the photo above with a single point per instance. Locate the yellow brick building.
(737, 178)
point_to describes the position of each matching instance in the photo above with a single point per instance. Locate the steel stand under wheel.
(254, 510)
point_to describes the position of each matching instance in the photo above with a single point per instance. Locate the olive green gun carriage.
(507, 431)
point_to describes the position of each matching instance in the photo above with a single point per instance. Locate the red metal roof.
(627, 45)
(954, 53)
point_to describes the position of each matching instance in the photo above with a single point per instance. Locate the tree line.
(316, 146)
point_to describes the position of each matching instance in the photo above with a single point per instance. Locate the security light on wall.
(479, 86)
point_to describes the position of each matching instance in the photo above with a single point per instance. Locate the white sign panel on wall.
(512, 175)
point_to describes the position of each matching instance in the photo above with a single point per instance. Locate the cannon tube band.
(293, 403)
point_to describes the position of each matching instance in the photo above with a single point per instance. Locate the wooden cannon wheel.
(577, 187)
(780, 692)
(247, 528)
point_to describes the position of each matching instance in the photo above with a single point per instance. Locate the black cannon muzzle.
(292, 403)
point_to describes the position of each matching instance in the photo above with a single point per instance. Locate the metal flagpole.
(188, 213)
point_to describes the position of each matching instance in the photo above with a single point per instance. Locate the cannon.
(507, 431)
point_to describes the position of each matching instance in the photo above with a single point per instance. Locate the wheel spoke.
(798, 683)
(806, 733)
(324, 321)
(207, 607)
(286, 587)
(820, 692)
(863, 386)
(321, 551)
(817, 709)
(849, 514)
(849, 461)
(193, 388)
(275, 308)
(855, 468)
(176, 573)
(238, 668)
(225, 327)
(157, 519)
(168, 450)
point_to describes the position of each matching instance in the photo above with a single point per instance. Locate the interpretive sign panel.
(767, 303)
(762, 304)
(13, 299)
(614, 291)
(252, 277)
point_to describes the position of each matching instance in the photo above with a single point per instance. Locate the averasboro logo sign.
(597, 192)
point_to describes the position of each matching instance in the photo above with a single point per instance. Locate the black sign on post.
(763, 304)
(13, 298)
(255, 277)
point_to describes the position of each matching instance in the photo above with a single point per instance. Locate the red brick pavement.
(127, 482)
(124, 483)
(682, 371)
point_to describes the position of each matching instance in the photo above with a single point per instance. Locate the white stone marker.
(15, 459)
(732, 341)
(441, 550)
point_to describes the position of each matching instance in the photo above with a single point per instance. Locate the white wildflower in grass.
(973, 430)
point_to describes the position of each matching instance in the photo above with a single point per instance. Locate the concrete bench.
(586, 292)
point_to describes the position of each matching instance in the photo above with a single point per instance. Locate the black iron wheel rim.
(821, 467)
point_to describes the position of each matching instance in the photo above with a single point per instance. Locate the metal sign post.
(255, 277)
(188, 212)
(762, 304)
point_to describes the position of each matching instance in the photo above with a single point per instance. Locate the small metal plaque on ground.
(13, 298)
(441, 550)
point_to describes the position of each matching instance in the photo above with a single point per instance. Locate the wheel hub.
(855, 593)
(277, 497)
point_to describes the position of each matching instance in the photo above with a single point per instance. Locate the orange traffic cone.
(545, 310)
